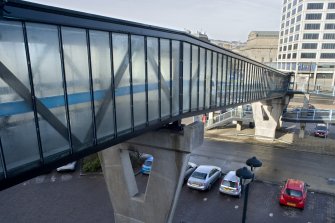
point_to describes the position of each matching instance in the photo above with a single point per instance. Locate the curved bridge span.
(72, 84)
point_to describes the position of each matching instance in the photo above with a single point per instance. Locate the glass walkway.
(72, 84)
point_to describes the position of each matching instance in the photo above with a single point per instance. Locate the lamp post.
(244, 174)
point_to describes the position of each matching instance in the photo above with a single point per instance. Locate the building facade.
(307, 42)
(261, 46)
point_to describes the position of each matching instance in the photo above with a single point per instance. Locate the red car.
(294, 194)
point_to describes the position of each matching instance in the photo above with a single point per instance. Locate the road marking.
(271, 215)
(39, 179)
(66, 177)
(205, 199)
(53, 178)
(236, 206)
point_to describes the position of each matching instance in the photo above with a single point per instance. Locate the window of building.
(295, 46)
(296, 36)
(283, 17)
(297, 27)
(294, 11)
(294, 55)
(294, 2)
(285, 40)
(294, 65)
(285, 47)
(331, 5)
(292, 29)
(287, 22)
(282, 25)
(330, 16)
(308, 55)
(279, 56)
(281, 41)
(309, 46)
(289, 56)
(284, 9)
(284, 56)
(290, 39)
(292, 20)
(298, 18)
(315, 6)
(313, 16)
(327, 56)
(289, 47)
(300, 8)
(286, 31)
(330, 26)
(329, 36)
(281, 33)
(289, 5)
(311, 36)
(288, 15)
(312, 26)
(328, 46)
(285, 1)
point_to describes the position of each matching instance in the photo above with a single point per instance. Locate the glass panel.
(186, 77)
(195, 73)
(48, 83)
(102, 80)
(214, 78)
(153, 100)
(138, 71)
(208, 77)
(224, 80)
(229, 88)
(175, 77)
(202, 78)
(233, 81)
(16, 116)
(219, 83)
(237, 80)
(77, 80)
(122, 82)
(165, 78)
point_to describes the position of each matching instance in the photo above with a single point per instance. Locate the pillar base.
(171, 150)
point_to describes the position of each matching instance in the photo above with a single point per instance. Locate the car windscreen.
(323, 128)
(293, 193)
(199, 175)
(228, 183)
(148, 163)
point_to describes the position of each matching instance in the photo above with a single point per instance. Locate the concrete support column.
(210, 117)
(239, 126)
(302, 130)
(170, 149)
(266, 115)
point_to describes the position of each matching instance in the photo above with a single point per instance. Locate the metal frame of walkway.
(72, 84)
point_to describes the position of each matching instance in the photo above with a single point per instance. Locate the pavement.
(286, 138)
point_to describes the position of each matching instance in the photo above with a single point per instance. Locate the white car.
(231, 184)
(67, 167)
(204, 177)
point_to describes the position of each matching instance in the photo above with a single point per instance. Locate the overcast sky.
(219, 19)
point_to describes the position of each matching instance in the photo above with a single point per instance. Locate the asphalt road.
(71, 198)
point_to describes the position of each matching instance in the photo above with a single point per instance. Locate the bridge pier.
(171, 150)
(266, 115)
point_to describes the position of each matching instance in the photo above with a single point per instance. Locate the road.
(71, 198)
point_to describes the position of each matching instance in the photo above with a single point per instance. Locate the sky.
(230, 20)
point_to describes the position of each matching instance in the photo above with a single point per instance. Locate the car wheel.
(209, 187)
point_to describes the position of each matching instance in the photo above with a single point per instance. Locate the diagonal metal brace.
(9, 78)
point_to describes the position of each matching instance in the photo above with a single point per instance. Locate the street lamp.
(245, 174)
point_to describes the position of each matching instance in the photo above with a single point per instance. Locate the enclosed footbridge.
(73, 84)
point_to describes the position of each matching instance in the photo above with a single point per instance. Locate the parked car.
(204, 177)
(294, 194)
(321, 130)
(146, 167)
(231, 185)
(68, 167)
(189, 170)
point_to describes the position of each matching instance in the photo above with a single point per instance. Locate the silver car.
(231, 184)
(204, 177)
